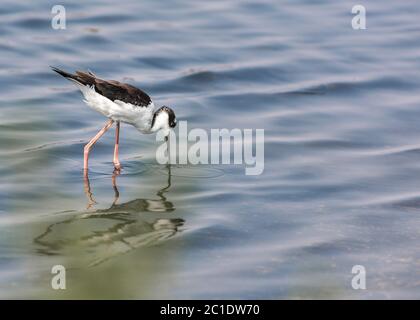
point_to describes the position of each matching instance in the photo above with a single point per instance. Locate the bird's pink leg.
(89, 145)
(117, 164)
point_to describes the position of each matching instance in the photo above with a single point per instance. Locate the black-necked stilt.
(120, 102)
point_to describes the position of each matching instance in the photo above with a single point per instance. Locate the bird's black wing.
(113, 90)
(124, 92)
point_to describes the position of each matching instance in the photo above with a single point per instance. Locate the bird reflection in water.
(105, 233)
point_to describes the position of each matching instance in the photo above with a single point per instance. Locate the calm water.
(341, 186)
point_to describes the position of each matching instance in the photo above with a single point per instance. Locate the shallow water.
(341, 185)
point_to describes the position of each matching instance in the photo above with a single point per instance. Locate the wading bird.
(119, 102)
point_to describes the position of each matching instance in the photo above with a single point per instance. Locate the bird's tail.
(80, 78)
(64, 73)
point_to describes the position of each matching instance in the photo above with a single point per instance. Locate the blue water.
(341, 185)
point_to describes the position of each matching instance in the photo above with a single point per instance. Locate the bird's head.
(164, 118)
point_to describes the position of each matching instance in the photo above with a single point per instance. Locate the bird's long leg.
(117, 164)
(89, 145)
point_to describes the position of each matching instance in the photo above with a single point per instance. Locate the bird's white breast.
(140, 117)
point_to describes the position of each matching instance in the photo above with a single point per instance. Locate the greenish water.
(340, 110)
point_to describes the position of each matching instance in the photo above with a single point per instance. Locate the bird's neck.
(153, 124)
(148, 125)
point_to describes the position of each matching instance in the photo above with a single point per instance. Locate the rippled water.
(341, 185)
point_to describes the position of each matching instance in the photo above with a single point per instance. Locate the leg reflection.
(114, 185)
(99, 235)
(88, 192)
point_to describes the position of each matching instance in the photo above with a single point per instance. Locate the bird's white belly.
(141, 117)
